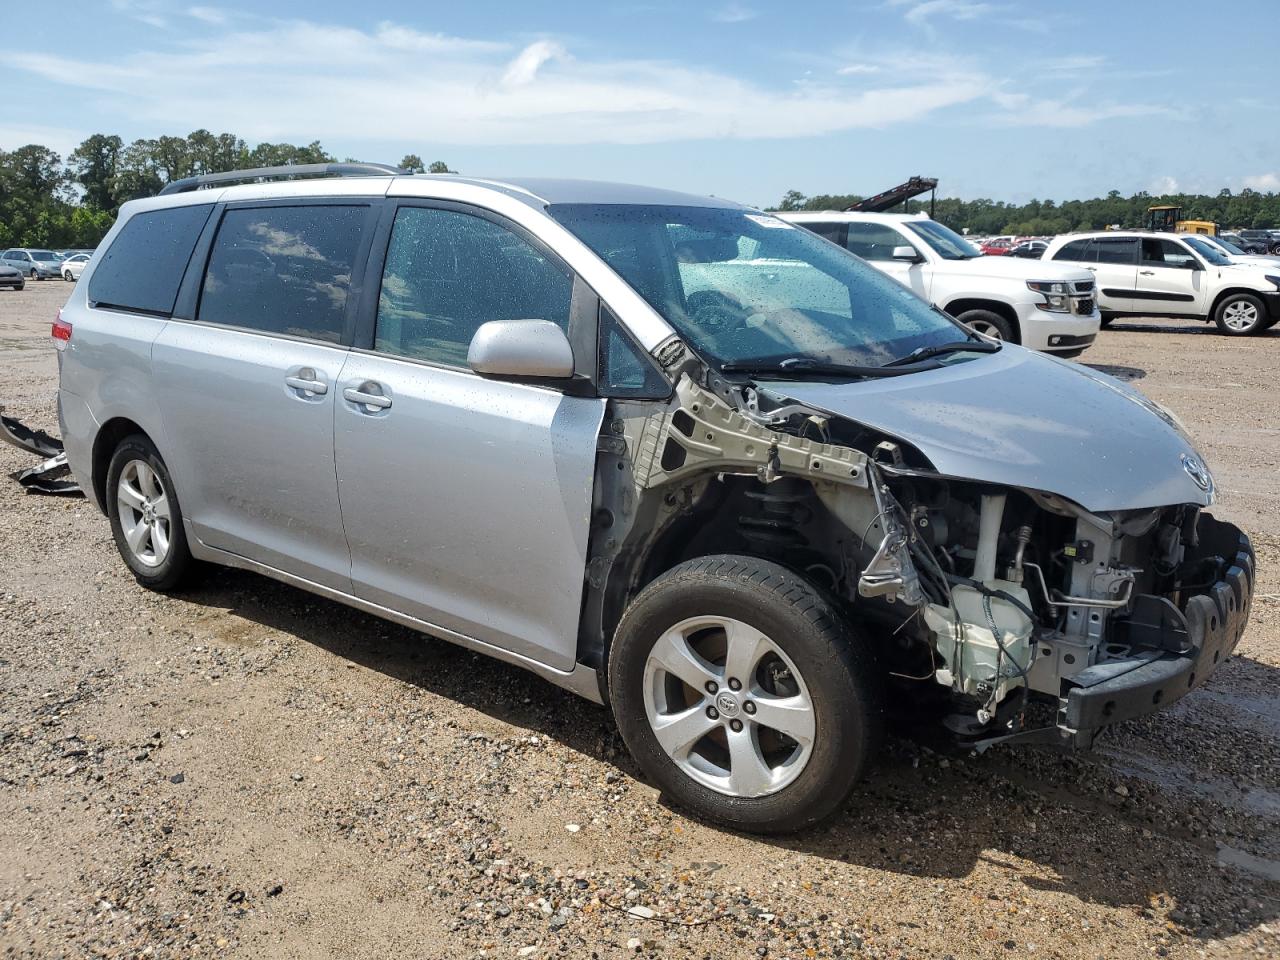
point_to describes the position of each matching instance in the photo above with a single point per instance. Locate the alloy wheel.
(986, 329)
(145, 513)
(1240, 315)
(728, 706)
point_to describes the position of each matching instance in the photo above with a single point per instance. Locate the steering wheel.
(715, 310)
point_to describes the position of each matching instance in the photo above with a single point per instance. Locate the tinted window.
(447, 273)
(1075, 250)
(283, 269)
(1122, 251)
(874, 241)
(143, 267)
(829, 231)
(1164, 253)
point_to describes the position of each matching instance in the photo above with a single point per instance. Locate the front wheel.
(740, 690)
(1240, 315)
(66, 275)
(33, 275)
(989, 323)
(146, 518)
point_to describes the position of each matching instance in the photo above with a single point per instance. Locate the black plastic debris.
(52, 475)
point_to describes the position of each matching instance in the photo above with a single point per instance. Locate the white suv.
(1174, 275)
(1039, 305)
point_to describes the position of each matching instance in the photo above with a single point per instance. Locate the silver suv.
(583, 428)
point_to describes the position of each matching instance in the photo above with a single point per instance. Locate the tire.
(1240, 315)
(66, 275)
(158, 557)
(33, 275)
(828, 679)
(990, 323)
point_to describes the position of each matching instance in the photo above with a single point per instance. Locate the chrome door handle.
(366, 399)
(1147, 273)
(1094, 269)
(318, 387)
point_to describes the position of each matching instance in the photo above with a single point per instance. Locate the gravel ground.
(246, 770)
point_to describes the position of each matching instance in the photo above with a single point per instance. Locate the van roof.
(536, 191)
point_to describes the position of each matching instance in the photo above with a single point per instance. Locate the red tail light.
(61, 332)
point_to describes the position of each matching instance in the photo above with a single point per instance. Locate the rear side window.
(1122, 251)
(283, 269)
(1075, 250)
(142, 269)
(829, 231)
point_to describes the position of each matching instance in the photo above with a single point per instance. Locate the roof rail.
(187, 184)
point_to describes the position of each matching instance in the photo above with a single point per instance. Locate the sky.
(746, 100)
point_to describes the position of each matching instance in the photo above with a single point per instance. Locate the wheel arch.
(962, 304)
(104, 445)
(1230, 292)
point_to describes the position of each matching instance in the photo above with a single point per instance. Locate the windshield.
(42, 255)
(1226, 245)
(749, 289)
(1208, 251)
(949, 244)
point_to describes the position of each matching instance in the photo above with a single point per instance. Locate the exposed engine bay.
(1010, 603)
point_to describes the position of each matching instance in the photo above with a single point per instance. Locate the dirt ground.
(245, 770)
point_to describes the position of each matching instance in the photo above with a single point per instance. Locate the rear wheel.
(990, 324)
(743, 694)
(146, 518)
(1240, 314)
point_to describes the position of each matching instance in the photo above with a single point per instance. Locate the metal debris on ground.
(52, 475)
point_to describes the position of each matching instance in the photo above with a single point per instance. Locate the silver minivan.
(582, 428)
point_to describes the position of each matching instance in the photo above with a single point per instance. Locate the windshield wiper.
(924, 353)
(796, 368)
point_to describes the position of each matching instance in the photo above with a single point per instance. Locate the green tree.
(439, 166)
(413, 163)
(94, 165)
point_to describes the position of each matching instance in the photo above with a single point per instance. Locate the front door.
(466, 500)
(1170, 278)
(248, 387)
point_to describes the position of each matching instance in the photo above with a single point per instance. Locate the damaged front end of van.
(1022, 538)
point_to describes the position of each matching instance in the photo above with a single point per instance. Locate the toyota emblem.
(1197, 472)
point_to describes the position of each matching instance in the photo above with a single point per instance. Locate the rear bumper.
(1185, 645)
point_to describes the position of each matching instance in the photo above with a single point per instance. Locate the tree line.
(49, 201)
(1248, 209)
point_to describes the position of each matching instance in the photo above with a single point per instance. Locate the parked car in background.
(74, 265)
(1245, 246)
(1041, 306)
(1265, 237)
(33, 263)
(1173, 275)
(776, 493)
(999, 247)
(11, 277)
(1238, 255)
(1030, 249)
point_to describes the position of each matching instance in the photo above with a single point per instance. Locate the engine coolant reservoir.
(975, 664)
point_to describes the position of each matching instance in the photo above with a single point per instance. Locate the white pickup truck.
(1045, 306)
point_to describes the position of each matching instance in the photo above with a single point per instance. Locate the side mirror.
(906, 252)
(1191, 263)
(521, 348)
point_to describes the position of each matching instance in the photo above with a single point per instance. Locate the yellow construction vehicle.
(1166, 218)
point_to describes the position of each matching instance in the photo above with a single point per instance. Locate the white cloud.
(150, 12)
(212, 15)
(302, 80)
(1265, 182)
(1163, 185)
(734, 13)
(524, 68)
(920, 12)
(858, 69)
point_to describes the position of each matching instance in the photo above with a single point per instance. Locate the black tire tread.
(839, 648)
